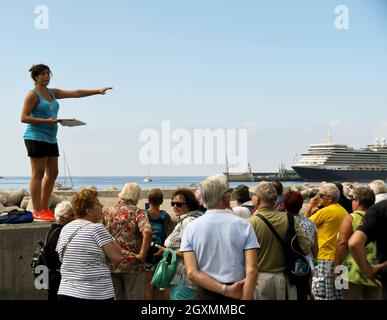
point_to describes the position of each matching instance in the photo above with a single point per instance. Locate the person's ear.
(88, 211)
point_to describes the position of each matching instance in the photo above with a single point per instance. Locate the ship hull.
(261, 176)
(311, 174)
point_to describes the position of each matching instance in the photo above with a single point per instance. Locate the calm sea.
(107, 182)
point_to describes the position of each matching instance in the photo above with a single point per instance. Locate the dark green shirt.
(271, 253)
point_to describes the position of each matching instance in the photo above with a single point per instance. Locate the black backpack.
(297, 267)
(41, 255)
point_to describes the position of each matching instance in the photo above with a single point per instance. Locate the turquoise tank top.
(44, 110)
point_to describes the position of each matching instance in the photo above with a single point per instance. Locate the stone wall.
(17, 244)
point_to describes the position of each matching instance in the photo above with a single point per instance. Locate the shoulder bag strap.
(48, 238)
(292, 229)
(71, 238)
(271, 229)
(126, 224)
(293, 234)
(358, 213)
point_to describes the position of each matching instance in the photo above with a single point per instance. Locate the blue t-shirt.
(44, 110)
(158, 233)
(219, 239)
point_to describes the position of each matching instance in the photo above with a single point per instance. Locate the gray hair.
(212, 189)
(130, 193)
(332, 190)
(377, 186)
(266, 192)
(63, 208)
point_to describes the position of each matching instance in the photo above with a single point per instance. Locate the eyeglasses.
(178, 204)
(323, 195)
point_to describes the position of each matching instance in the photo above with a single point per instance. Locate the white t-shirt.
(85, 273)
(219, 239)
(242, 212)
(380, 197)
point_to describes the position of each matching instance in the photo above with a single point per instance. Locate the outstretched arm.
(63, 94)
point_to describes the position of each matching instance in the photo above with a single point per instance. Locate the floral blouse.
(126, 222)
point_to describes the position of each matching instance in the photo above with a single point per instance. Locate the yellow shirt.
(328, 221)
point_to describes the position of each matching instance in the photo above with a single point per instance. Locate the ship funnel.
(376, 141)
(329, 139)
(383, 142)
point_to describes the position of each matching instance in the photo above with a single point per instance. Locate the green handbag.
(165, 270)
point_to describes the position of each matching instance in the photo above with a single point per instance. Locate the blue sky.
(278, 68)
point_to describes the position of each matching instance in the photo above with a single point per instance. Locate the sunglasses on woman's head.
(178, 204)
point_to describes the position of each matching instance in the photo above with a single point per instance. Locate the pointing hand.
(103, 90)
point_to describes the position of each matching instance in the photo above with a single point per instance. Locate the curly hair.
(37, 69)
(189, 198)
(82, 200)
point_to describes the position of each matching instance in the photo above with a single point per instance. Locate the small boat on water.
(147, 179)
(59, 186)
(66, 174)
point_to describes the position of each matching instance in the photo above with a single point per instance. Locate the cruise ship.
(338, 162)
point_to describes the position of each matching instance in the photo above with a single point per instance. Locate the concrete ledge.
(17, 244)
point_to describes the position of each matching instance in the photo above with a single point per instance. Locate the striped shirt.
(85, 273)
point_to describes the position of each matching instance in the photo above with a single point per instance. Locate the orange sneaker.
(44, 215)
(36, 215)
(49, 211)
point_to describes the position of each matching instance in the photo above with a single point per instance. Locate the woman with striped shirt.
(84, 245)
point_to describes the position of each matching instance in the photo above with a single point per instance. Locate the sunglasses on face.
(177, 204)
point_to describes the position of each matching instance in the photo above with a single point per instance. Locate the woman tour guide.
(40, 111)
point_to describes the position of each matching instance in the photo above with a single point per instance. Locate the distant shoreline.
(117, 182)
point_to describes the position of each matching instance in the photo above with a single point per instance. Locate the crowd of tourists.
(222, 244)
